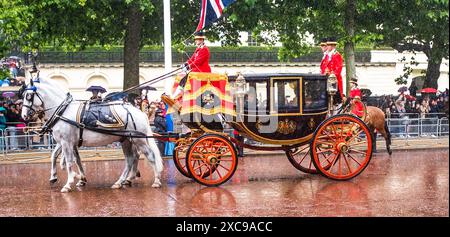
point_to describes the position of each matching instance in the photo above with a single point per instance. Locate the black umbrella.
(149, 88)
(96, 88)
(115, 96)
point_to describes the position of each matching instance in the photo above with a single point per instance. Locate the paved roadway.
(409, 183)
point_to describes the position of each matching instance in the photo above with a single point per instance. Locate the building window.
(252, 41)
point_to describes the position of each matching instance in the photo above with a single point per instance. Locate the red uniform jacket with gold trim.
(323, 64)
(334, 66)
(199, 62)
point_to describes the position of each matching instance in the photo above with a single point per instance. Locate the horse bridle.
(30, 98)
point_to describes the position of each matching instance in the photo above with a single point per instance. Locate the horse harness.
(94, 116)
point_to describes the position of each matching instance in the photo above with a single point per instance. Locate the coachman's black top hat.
(323, 41)
(199, 35)
(332, 41)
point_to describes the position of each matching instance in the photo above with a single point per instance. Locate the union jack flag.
(211, 11)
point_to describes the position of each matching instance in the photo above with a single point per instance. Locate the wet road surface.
(410, 183)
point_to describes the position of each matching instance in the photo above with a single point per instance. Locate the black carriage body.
(282, 109)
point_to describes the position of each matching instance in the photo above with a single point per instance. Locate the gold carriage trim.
(286, 127)
(206, 76)
(241, 126)
(203, 89)
(212, 111)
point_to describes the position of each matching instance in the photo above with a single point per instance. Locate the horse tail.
(155, 150)
(386, 128)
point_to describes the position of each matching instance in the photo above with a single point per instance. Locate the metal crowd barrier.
(13, 139)
(418, 127)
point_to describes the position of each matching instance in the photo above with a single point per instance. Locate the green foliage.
(4, 73)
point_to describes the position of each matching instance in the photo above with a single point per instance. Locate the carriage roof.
(267, 76)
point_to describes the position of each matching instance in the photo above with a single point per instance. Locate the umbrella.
(428, 90)
(96, 88)
(8, 94)
(149, 88)
(402, 89)
(14, 57)
(115, 96)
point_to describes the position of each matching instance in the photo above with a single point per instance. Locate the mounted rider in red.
(355, 94)
(198, 62)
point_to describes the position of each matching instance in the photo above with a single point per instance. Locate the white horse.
(47, 95)
(126, 175)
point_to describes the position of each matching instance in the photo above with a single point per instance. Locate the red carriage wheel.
(341, 147)
(211, 160)
(300, 158)
(179, 159)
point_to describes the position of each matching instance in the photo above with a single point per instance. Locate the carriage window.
(285, 96)
(315, 95)
(256, 97)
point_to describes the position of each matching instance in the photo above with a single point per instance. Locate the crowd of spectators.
(421, 107)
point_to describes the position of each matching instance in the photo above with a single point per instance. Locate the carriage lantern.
(332, 84)
(240, 90)
(240, 85)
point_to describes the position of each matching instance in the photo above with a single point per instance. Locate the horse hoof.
(390, 152)
(116, 186)
(156, 185)
(127, 183)
(138, 174)
(66, 189)
(81, 183)
(52, 181)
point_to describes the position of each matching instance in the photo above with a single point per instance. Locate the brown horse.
(375, 119)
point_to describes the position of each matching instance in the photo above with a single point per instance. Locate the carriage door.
(285, 96)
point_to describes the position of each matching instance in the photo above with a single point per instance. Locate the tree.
(416, 26)
(297, 21)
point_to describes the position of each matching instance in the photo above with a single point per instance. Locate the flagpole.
(167, 47)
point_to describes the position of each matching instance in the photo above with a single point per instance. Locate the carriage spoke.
(346, 161)
(358, 143)
(355, 136)
(303, 158)
(218, 173)
(357, 151)
(327, 134)
(333, 162)
(339, 165)
(327, 160)
(198, 167)
(224, 167)
(300, 150)
(353, 159)
(204, 172)
(222, 159)
(322, 151)
(326, 143)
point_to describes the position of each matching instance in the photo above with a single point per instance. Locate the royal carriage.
(286, 112)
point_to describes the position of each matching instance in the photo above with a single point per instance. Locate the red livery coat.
(199, 62)
(335, 66)
(323, 64)
(358, 110)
